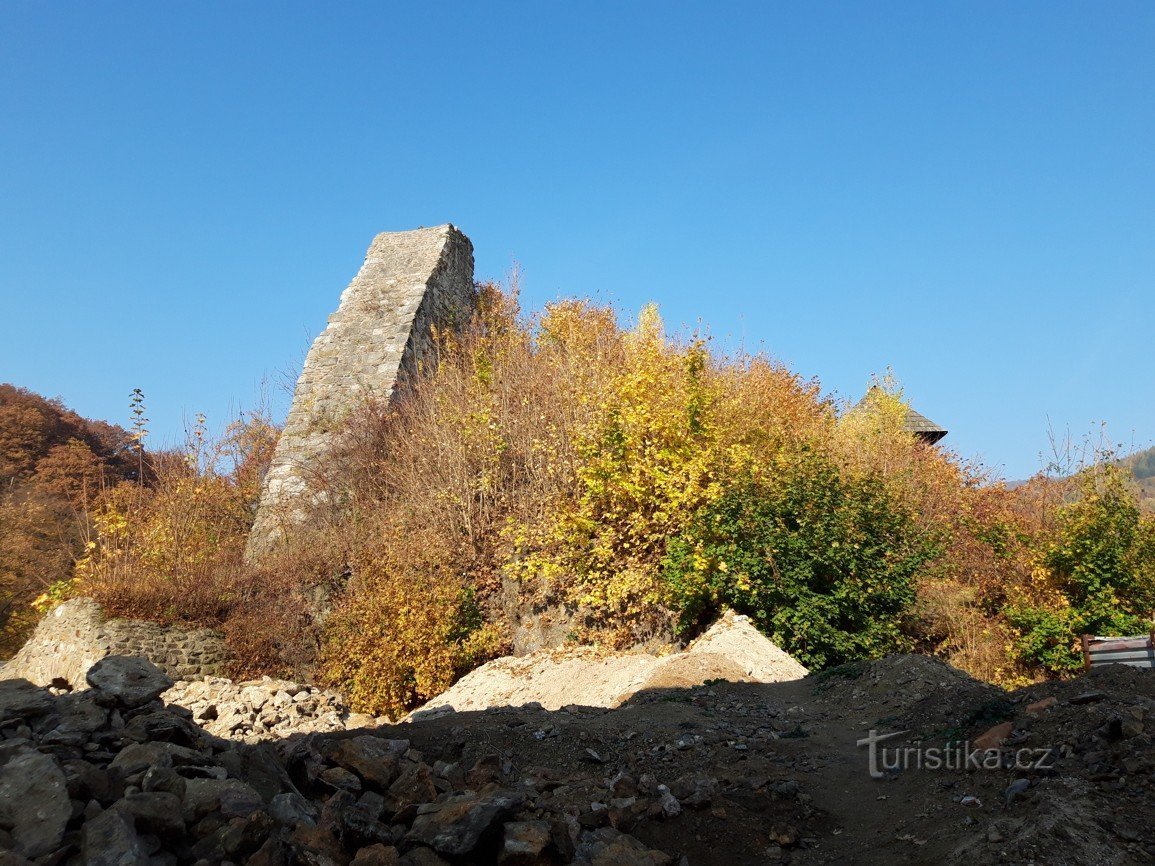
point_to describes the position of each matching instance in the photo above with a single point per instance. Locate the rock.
(414, 785)
(669, 803)
(317, 840)
(105, 785)
(455, 826)
(164, 779)
(1014, 789)
(422, 857)
(75, 717)
(359, 822)
(785, 834)
(34, 804)
(525, 843)
(609, 847)
(138, 757)
(20, 699)
(695, 790)
(377, 855)
(485, 770)
(110, 839)
(127, 681)
(1040, 706)
(339, 778)
(232, 797)
(994, 737)
(271, 853)
(291, 809)
(374, 759)
(156, 812)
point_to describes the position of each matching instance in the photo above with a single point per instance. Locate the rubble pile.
(254, 711)
(914, 692)
(111, 775)
(137, 770)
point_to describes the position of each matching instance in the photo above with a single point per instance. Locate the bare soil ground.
(769, 773)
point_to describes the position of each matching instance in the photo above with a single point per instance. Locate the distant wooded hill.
(1142, 466)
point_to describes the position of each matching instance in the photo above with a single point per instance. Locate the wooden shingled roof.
(915, 422)
(922, 427)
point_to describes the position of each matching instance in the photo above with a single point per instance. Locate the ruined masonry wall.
(411, 282)
(75, 635)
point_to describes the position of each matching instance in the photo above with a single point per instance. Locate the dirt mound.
(732, 649)
(736, 638)
(916, 693)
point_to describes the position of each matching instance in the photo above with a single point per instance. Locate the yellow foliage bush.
(406, 630)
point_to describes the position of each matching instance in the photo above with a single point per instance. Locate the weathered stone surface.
(377, 855)
(110, 839)
(75, 635)
(231, 797)
(76, 716)
(525, 843)
(292, 809)
(455, 826)
(374, 759)
(265, 709)
(155, 812)
(609, 847)
(33, 802)
(22, 698)
(422, 857)
(994, 737)
(410, 283)
(127, 681)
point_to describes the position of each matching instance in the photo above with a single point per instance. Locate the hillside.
(1142, 468)
(54, 465)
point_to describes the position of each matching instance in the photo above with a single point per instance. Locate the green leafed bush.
(1096, 575)
(822, 560)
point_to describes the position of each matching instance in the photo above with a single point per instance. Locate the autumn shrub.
(166, 549)
(634, 482)
(170, 549)
(670, 430)
(409, 625)
(553, 456)
(1095, 575)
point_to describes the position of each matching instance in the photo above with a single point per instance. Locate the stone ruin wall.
(72, 637)
(410, 284)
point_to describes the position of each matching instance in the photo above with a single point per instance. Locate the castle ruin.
(411, 284)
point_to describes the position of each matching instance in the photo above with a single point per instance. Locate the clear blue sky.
(963, 191)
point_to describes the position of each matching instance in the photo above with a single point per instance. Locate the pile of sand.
(731, 650)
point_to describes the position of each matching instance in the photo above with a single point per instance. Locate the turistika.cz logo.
(953, 756)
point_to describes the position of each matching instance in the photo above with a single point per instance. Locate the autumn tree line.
(639, 482)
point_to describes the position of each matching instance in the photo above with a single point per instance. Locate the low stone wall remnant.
(75, 635)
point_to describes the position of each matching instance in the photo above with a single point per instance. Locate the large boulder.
(127, 681)
(20, 698)
(455, 826)
(33, 802)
